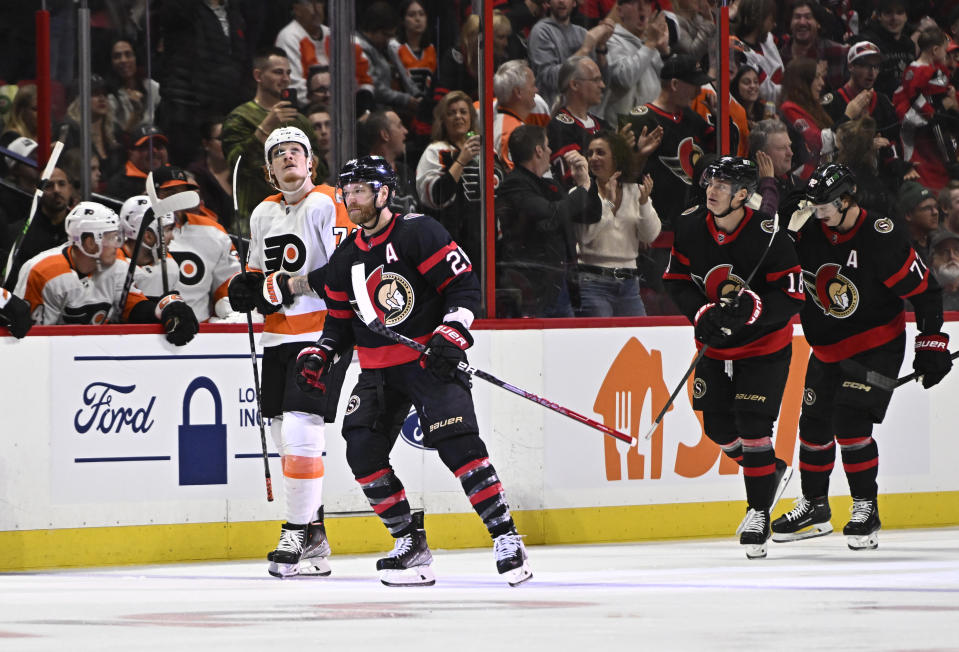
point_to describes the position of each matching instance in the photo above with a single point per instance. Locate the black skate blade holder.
(869, 376)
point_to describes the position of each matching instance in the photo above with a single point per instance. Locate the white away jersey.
(295, 239)
(207, 260)
(58, 295)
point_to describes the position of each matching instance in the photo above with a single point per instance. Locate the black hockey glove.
(709, 325)
(932, 360)
(244, 291)
(446, 349)
(742, 310)
(276, 290)
(177, 319)
(14, 314)
(312, 364)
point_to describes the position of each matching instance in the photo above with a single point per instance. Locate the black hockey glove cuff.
(14, 314)
(177, 319)
(709, 326)
(741, 310)
(244, 290)
(312, 364)
(276, 290)
(932, 361)
(446, 350)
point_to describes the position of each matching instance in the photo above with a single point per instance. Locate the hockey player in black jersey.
(858, 267)
(423, 286)
(737, 279)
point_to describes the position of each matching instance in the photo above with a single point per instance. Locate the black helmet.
(830, 182)
(736, 170)
(374, 170)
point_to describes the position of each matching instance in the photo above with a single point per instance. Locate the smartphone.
(289, 94)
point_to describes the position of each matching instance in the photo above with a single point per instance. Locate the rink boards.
(105, 460)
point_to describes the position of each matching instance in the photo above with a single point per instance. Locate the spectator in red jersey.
(802, 110)
(927, 106)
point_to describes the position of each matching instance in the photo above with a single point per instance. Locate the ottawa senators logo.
(699, 388)
(192, 269)
(392, 296)
(833, 292)
(808, 396)
(687, 155)
(284, 252)
(720, 282)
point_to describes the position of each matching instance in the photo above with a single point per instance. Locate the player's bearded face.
(360, 203)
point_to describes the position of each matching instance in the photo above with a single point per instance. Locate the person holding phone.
(246, 128)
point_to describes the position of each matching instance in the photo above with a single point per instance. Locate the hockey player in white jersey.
(292, 232)
(148, 273)
(79, 283)
(202, 248)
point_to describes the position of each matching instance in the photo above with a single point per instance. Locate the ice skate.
(511, 558)
(408, 563)
(781, 477)
(862, 529)
(808, 519)
(285, 560)
(316, 551)
(755, 533)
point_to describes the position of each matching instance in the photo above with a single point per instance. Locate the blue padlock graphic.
(202, 453)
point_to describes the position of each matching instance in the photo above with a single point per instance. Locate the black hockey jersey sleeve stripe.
(910, 279)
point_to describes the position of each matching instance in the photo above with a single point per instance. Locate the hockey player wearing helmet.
(79, 283)
(857, 267)
(424, 284)
(148, 272)
(737, 279)
(292, 233)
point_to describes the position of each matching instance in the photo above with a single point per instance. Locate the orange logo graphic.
(636, 376)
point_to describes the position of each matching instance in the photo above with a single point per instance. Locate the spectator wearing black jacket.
(538, 247)
(891, 33)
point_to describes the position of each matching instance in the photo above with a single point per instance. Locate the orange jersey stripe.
(282, 324)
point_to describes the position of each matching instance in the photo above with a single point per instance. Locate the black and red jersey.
(686, 136)
(567, 133)
(707, 264)
(415, 275)
(856, 282)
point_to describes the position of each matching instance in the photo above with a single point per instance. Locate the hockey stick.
(702, 351)
(372, 321)
(872, 377)
(249, 330)
(37, 194)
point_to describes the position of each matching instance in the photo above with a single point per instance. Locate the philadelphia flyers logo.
(392, 296)
(687, 155)
(192, 268)
(286, 252)
(94, 313)
(833, 292)
(720, 282)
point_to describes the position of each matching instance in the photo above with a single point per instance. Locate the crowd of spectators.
(605, 113)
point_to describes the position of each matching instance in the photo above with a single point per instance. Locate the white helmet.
(287, 135)
(90, 217)
(131, 216)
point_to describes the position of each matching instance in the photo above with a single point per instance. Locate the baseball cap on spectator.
(940, 236)
(142, 134)
(862, 49)
(911, 194)
(684, 68)
(170, 176)
(23, 147)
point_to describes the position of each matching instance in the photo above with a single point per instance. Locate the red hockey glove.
(312, 364)
(932, 361)
(446, 350)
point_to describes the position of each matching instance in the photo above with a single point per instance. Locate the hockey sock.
(301, 450)
(817, 456)
(860, 461)
(860, 454)
(759, 457)
(388, 499)
(721, 430)
(483, 488)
